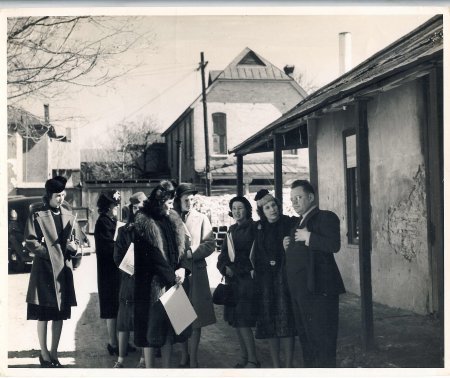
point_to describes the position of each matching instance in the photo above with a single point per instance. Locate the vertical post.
(240, 175)
(365, 239)
(312, 152)
(205, 124)
(179, 162)
(278, 165)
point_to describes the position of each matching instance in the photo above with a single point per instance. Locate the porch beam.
(240, 175)
(365, 239)
(278, 165)
(312, 151)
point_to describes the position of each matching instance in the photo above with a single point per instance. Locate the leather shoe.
(56, 363)
(113, 350)
(45, 363)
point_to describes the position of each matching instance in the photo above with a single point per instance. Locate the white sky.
(167, 81)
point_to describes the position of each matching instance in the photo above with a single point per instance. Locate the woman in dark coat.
(108, 274)
(51, 292)
(125, 315)
(237, 268)
(159, 245)
(275, 319)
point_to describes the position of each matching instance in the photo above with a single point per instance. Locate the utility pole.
(179, 153)
(202, 66)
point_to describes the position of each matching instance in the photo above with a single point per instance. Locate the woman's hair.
(245, 202)
(259, 209)
(131, 215)
(159, 195)
(177, 205)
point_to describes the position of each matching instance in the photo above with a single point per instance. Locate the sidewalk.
(403, 339)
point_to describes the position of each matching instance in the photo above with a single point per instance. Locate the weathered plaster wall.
(36, 162)
(400, 262)
(330, 161)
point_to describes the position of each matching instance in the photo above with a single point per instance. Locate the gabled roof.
(22, 121)
(420, 46)
(246, 66)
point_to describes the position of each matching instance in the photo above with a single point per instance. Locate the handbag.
(225, 295)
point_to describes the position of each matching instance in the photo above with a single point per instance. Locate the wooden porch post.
(365, 239)
(278, 167)
(240, 175)
(312, 152)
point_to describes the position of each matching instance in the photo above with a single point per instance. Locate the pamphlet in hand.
(178, 308)
(118, 225)
(127, 264)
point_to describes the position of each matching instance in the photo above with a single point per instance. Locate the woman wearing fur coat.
(159, 244)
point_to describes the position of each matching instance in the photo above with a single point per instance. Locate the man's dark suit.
(315, 284)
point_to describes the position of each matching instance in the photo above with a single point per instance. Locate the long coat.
(202, 244)
(275, 317)
(51, 279)
(154, 273)
(108, 274)
(243, 236)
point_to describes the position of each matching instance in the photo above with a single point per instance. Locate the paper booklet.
(178, 308)
(230, 246)
(127, 264)
(118, 225)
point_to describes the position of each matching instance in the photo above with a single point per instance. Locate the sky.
(167, 80)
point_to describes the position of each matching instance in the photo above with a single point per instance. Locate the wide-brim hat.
(185, 188)
(108, 197)
(56, 184)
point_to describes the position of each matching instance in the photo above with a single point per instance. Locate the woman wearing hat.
(108, 274)
(125, 316)
(51, 293)
(275, 319)
(202, 244)
(234, 263)
(159, 244)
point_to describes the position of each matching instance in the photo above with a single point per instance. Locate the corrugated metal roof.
(422, 44)
(237, 71)
(254, 169)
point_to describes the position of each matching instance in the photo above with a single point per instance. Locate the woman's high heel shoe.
(44, 363)
(113, 350)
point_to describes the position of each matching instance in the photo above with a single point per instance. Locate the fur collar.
(149, 230)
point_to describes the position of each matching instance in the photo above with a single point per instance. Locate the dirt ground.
(402, 339)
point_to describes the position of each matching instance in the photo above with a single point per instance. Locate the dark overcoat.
(108, 274)
(51, 279)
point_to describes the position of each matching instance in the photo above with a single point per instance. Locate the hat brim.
(189, 191)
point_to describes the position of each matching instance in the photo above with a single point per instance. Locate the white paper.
(127, 264)
(178, 308)
(118, 225)
(230, 246)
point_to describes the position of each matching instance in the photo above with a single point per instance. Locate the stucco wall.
(399, 236)
(330, 161)
(400, 265)
(36, 161)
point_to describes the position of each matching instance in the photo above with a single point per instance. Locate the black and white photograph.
(204, 190)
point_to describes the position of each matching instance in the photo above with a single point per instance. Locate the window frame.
(222, 138)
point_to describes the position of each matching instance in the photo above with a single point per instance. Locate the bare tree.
(307, 84)
(46, 55)
(135, 141)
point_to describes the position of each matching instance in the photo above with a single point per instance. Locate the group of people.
(282, 271)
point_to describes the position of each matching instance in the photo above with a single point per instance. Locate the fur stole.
(148, 229)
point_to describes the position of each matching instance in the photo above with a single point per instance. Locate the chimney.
(46, 114)
(345, 52)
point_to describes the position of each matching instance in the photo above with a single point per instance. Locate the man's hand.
(302, 234)
(286, 242)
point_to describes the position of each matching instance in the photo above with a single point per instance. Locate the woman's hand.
(286, 242)
(229, 272)
(180, 274)
(72, 247)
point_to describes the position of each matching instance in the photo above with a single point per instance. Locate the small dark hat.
(185, 188)
(260, 194)
(137, 197)
(56, 184)
(262, 197)
(108, 197)
(164, 191)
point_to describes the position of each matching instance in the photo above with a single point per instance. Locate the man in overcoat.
(314, 279)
